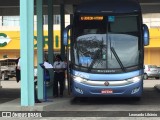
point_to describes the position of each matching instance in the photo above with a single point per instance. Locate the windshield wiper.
(96, 56)
(117, 58)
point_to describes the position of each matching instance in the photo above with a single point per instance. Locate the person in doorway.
(35, 84)
(59, 68)
(18, 70)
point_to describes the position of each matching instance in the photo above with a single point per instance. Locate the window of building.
(56, 19)
(10, 21)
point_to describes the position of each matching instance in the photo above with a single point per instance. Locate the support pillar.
(50, 31)
(50, 42)
(40, 43)
(27, 52)
(62, 29)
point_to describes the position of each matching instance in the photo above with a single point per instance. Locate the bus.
(107, 40)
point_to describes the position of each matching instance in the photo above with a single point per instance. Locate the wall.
(152, 52)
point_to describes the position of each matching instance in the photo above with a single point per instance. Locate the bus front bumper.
(129, 90)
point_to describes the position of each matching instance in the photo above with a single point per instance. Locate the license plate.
(108, 91)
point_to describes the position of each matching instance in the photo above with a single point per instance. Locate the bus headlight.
(79, 79)
(135, 79)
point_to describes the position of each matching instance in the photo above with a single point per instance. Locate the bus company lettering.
(83, 75)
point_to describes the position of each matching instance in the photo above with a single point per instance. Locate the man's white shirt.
(59, 64)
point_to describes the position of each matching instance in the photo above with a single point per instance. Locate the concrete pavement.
(10, 97)
(157, 87)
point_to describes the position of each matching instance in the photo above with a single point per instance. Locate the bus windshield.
(106, 42)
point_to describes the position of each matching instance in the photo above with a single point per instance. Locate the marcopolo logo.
(4, 39)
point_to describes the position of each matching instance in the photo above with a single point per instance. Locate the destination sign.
(91, 17)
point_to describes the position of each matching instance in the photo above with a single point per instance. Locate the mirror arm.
(65, 33)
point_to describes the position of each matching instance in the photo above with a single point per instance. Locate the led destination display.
(91, 17)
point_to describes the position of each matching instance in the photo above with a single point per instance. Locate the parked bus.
(107, 49)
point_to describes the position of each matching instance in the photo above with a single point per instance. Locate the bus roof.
(109, 6)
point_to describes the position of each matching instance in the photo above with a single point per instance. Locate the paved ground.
(10, 94)
(10, 90)
(10, 84)
(13, 84)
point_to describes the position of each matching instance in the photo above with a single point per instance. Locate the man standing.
(59, 68)
(18, 70)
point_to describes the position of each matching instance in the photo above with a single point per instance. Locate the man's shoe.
(37, 101)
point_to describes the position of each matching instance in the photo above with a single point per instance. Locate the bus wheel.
(145, 76)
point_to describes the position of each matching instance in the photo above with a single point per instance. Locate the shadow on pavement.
(8, 94)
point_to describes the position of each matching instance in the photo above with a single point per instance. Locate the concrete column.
(50, 31)
(62, 29)
(50, 43)
(27, 52)
(40, 42)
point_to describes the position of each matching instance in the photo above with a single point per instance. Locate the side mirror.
(65, 35)
(145, 35)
